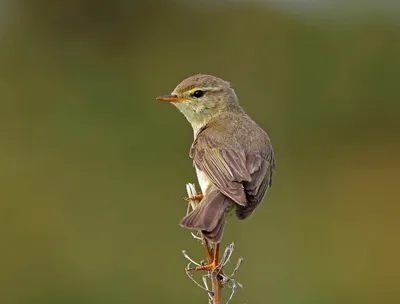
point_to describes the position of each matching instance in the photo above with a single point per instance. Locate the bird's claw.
(194, 198)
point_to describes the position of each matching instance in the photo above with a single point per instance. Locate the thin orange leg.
(208, 250)
(213, 264)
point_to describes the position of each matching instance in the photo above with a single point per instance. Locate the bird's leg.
(213, 264)
(196, 197)
(207, 249)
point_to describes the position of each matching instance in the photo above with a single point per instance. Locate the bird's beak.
(170, 98)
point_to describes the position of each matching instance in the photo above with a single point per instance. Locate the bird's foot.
(194, 198)
(213, 269)
(212, 257)
(214, 266)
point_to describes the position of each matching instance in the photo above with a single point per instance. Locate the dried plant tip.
(189, 258)
(227, 254)
(210, 295)
(189, 274)
(196, 237)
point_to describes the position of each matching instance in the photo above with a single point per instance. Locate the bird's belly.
(204, 182)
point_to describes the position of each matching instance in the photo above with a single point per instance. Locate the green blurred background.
(93, 168)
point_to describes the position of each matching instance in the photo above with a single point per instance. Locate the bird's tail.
(209, 216)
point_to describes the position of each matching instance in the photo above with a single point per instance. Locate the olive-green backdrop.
(93, 168)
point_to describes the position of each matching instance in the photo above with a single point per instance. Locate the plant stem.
(216, 282)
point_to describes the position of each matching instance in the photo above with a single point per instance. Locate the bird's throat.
(197, 118)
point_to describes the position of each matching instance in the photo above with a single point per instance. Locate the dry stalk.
(217, 277)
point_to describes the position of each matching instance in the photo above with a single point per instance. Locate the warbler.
(233, 156)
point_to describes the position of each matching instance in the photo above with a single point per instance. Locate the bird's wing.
(258, 186)
(228, 170)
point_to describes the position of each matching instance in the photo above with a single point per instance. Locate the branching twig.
(217, 276)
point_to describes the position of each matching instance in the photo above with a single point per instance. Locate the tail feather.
(216, 234)
(209, 216)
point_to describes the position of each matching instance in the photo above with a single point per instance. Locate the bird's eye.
(198, 93)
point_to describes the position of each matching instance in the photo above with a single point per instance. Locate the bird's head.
(202, 97)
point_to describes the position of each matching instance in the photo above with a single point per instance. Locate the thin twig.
(217, 277)
(189, 258)
(197, 283)
(210, 295)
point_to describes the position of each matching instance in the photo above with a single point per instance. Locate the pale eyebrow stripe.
(207, 89)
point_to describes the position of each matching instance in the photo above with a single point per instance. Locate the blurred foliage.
(93, 168)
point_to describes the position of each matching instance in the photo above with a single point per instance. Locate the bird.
(231, 153)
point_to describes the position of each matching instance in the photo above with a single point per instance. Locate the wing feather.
(219, 172)
(244, 178)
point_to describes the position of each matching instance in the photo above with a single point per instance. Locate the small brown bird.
(232, 155)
